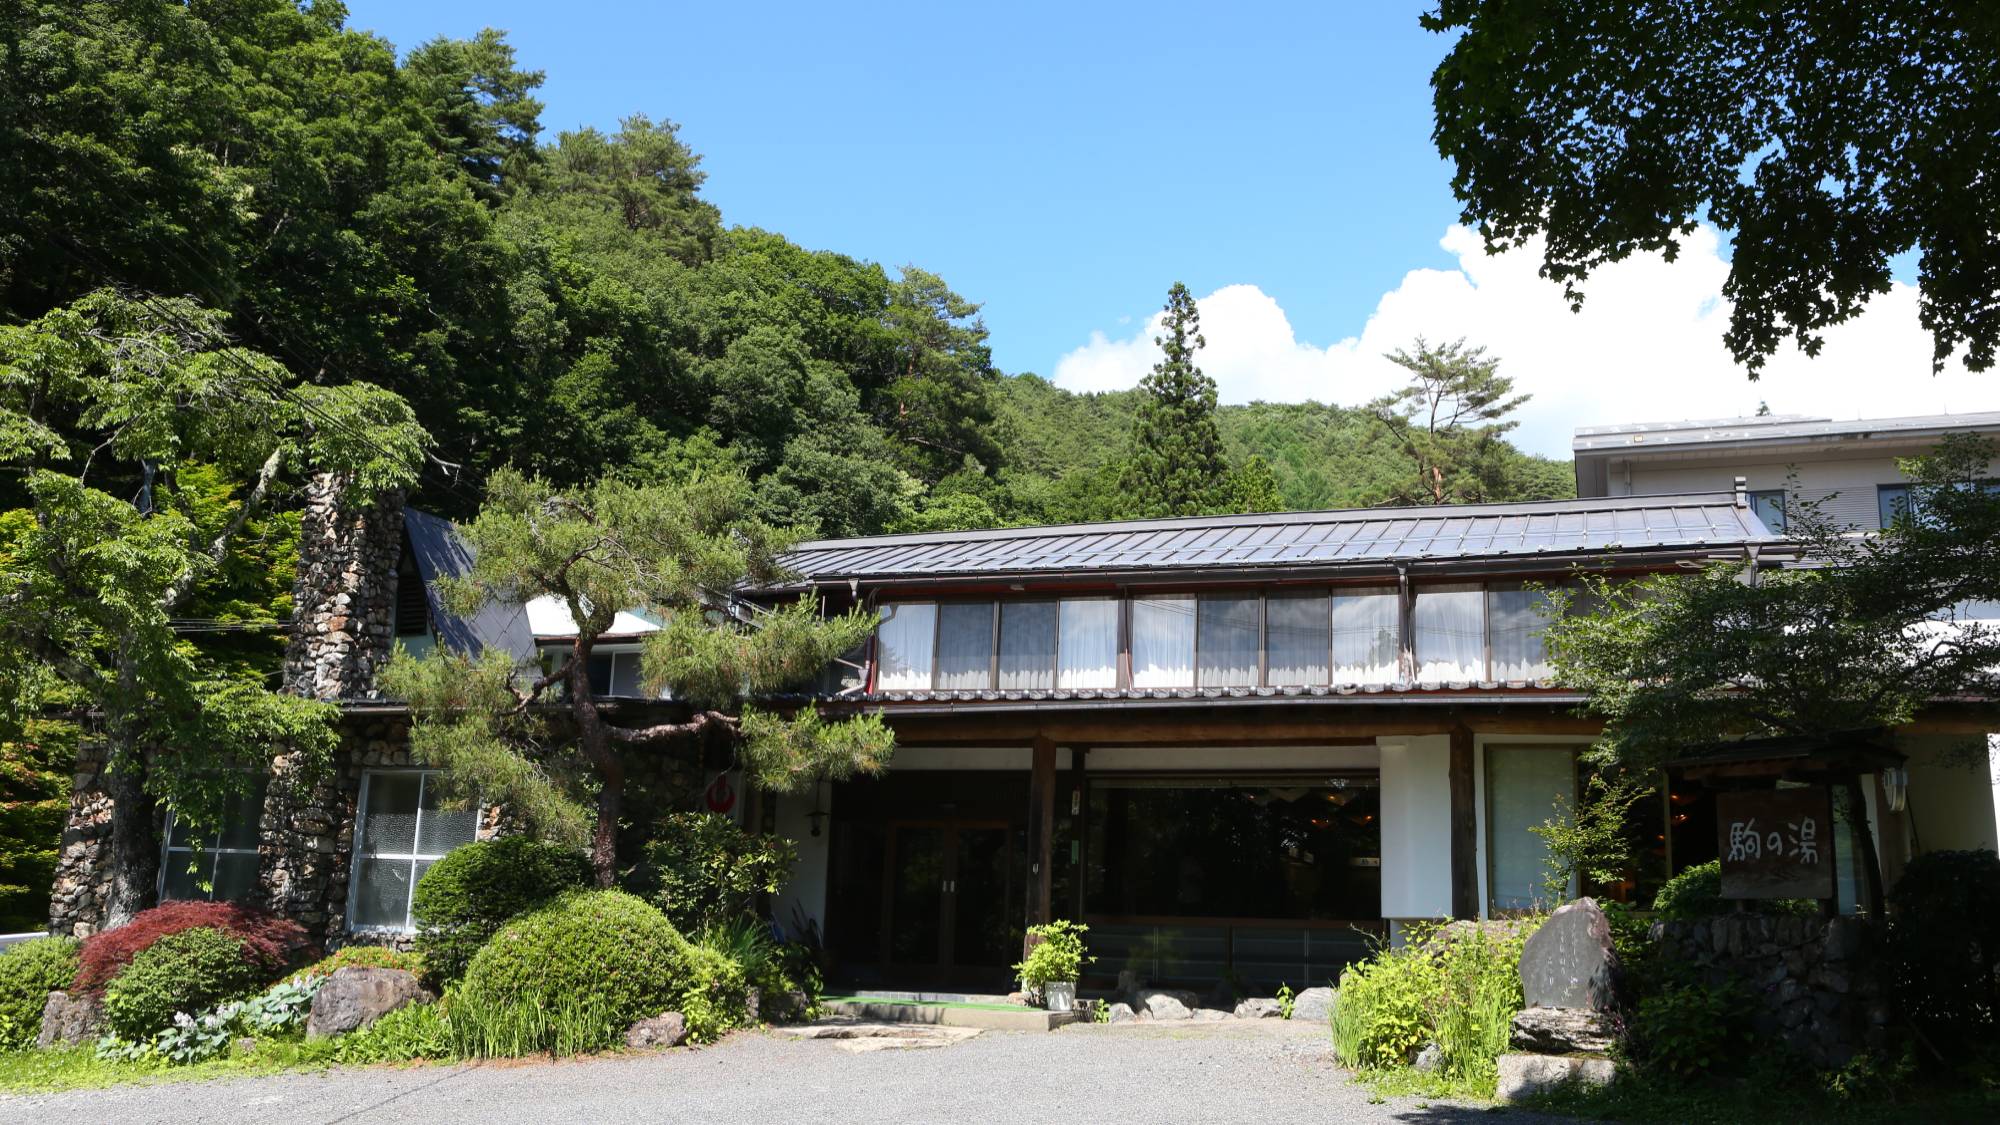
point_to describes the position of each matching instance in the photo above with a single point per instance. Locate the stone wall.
(83, 863)
(344, 596)
(1815, 982)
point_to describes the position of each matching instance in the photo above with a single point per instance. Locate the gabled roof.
(441, 553)
(1356, 538)
(1771, 428)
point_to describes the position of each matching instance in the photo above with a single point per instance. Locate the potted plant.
(1054, 963)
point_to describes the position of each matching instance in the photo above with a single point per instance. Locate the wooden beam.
(1221, 726)
(1464, 839)
(1041, 829)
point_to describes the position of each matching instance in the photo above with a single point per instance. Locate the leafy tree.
(1827, 138)
(1255, 487)
(126, 531)
(1865, 640)
(672, 550)
(1448, 422)
(937, 399)
(482, 106)
(36, 763)
(1177, 466)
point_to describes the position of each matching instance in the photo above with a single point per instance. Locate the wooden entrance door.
(946, 914)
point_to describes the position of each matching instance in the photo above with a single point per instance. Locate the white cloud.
(1646, 347)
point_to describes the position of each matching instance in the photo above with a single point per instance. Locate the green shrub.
(30, 971)
(573, 974)
(1944, 946)
(464, 897)
(413, 1031)
(1459, 993)
(360, 957)
(189, 971)
(702, 869)
(1058, 957)
(1697, 893)
(1691, 1028)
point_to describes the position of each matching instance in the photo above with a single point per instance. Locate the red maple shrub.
(270, 943)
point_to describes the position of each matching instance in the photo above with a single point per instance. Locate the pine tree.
(1177, 466)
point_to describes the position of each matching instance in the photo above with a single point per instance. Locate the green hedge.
(705, 870)
(571, 976)
(467, 895)
(1697, 893)
(28, 973)
(189, 971)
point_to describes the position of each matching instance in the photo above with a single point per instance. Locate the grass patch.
(79, 1068)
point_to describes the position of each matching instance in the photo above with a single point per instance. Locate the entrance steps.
(945, 1009)
(862, 1037)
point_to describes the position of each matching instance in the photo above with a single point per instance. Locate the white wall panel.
(1416, 827)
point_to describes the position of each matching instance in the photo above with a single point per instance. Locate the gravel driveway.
(1264, 1071)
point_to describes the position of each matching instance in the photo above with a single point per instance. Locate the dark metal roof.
(1289, 540)
(440, 553)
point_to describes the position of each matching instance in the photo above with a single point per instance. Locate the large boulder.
(1523, 1075)
(69, 1018)
(352, 998)
(1313, 1004)
(1562, 1031)
(1120, 1013)
(1162, 1004)
(1569, 961)
(1262, 1008)
(668, 1029)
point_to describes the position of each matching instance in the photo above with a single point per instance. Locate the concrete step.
(994, 1017)
(859, 1037)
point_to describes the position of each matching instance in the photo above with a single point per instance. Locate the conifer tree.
(1177, 466)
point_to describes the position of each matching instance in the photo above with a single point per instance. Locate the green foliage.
(572, 975)
(1601, 132)
(703, 870)
(1458, 991)
(1449, 424)
(1177, 466)
(1286, 999)
(464, 897)
(182, 972)
(360, 957)
(1692, 1029)
(1944, 947)
(1694, 893)
(1679, 663)
(36, 763)
(1590, 841)
(1059, 955)
(413, 1031)
(29, 971)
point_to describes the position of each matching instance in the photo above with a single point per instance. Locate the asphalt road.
(1262, 1071)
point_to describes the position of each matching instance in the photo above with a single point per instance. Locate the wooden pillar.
(1464, 823)
(1041, 828)
(1871, 863)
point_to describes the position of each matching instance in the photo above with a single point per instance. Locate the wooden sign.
(1776, 843)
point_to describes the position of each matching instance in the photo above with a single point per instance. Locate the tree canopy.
(1826, 138)
(1449, 421)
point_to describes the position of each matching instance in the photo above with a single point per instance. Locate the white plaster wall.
(1953, 802)
(1416, 827)
(807, 890)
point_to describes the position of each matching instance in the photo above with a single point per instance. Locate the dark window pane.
(1770, 507)
(1227, 641)
(1892, 502)
(389, 822)
(1517, 619)
(181, 882)
(1297, 638)
(444, 826)
(235, 876)
(1027, 645)
(382, 894)
(965, 645)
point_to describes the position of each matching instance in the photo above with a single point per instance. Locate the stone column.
(344, 598)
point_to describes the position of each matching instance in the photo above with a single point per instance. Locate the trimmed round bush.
(1697, 893)
(30, 971)
(465, 896)
(1944, 947)
(360, 957)
(189, 971)
(572, 975)
(270, 944)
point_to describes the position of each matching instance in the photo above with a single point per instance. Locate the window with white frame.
(224, 867)
(404, 827)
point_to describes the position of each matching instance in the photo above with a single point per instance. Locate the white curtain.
(1450, 629)
(1523, 784)
(1517, 619)
(1088, 648)
(965, 645)
(1367, 637)
(1229, 638)
(1027, 645)
(904, 646)
(1296, 639)
(1162, 642)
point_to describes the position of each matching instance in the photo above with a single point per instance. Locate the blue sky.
(1064, 163)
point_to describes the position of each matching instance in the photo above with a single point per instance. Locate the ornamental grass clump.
(1457, 990)
(570, 976)
(30, 971)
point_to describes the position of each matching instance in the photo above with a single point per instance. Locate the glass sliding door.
(1163, 642)
(965, 645)
(1526, 786)
(1027, 646)
(1087, 649)
(1367, 636)
(1297, 639)
(905, 645)
(1516, 619)
(1229, 640)
(1450, 633)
